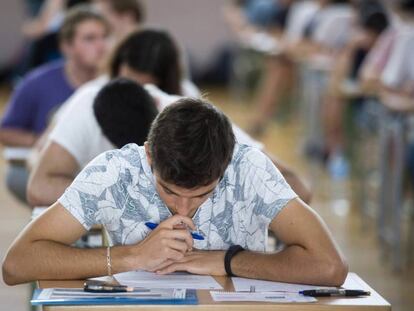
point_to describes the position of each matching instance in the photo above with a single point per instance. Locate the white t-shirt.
(78, 131)
(399, 70)
(334, 26)
(299, 16)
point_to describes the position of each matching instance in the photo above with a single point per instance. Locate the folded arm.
(17, 137)
(51, 175)
(43, 250)
(310, 255)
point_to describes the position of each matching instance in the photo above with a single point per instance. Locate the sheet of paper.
(174, 280)
(245, 285)
(260, 296)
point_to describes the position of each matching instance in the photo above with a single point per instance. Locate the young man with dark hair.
(83, 37)
(191, 173)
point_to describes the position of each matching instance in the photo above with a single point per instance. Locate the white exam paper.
(261, 296)
(244, 285)
(173, 280)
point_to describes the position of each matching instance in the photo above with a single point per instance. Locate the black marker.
(334, 292)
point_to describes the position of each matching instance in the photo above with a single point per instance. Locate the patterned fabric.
(117, 190)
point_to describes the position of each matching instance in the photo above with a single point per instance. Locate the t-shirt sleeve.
(243, 138)
(396, 70)
(21, 107)
(266, 189)
(73, 127)
(89, 197)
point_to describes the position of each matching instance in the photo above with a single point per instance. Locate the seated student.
(312, 28)
(77, 137)
(398, 74)
(371, 22)
(82, 39)
(190, 171)
(397, 78)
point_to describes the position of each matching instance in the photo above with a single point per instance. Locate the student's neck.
(78, 75)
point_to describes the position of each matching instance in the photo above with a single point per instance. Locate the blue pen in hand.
(195, 235)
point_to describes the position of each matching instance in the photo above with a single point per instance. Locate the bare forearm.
(293, 264)
(48, 260)
(44, 191)
(17, 138)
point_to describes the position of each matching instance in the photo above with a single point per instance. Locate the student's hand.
(198, 262)
(165, 245)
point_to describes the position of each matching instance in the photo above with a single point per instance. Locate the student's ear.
(148, 154)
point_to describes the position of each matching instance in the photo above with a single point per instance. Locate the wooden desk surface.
(370, 303)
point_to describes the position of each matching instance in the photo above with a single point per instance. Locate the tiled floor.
(360, 247)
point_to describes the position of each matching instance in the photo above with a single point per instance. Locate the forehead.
(89, 25)
(184, 192)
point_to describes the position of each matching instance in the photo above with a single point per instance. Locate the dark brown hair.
(191, 143)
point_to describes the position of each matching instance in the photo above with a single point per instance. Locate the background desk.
(371, 303)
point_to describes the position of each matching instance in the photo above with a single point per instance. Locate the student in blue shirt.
(83, 42)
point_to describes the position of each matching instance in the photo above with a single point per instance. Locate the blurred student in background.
(313, 28)
(82, 40)
(397, 78)
(398, 74)
(371, 21)
(149, 57)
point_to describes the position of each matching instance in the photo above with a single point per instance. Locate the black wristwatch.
(230, 253)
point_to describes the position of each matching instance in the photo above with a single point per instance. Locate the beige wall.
(196, 24)
(11, 18)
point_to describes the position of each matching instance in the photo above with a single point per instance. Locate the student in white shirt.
(77, 137)
(314, 28)
(191, 171)
(397, 77)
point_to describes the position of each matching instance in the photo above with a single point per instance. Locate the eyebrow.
(197, 196)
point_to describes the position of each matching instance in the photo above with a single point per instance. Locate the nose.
(183, 206)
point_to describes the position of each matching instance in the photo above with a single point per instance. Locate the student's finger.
(183, 235)
(162, 265)
(174, 255)
(178, 245)
(176, 220)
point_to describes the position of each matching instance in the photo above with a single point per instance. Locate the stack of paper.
(245, 285)
(173, 280)
(261, 296)
(264, 291)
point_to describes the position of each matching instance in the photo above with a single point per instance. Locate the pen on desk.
(196, 236)
(95, 288)
(334, 292)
